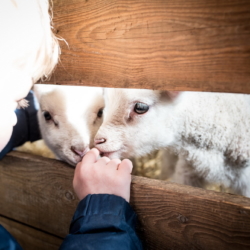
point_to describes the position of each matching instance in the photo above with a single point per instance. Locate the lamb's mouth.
(69, 161)
(78, 152)
(108, 153)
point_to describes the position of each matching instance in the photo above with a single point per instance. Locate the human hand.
(102, 176)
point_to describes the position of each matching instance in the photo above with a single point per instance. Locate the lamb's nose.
(79, 151)
(100, 141)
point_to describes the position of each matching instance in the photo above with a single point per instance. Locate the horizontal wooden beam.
(174, 216)
(175, 45)
(38, 192)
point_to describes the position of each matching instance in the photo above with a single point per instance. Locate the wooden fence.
(175, 45)
(161, 44)
(38, 201)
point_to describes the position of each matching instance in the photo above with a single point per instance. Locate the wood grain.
(174, 216)
(29, 238)
(175, 45)
(38, 192)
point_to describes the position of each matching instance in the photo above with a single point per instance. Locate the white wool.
(209, 130)
(29, 50)
(75, 122)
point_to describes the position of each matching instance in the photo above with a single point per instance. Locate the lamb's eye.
(141, 108)
(47, 116)
(100, 113)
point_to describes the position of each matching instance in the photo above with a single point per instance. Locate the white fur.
(74, 111)
(29, 50)
(209, 130)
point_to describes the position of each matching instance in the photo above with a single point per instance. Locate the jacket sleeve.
(26, 129)
(103, 222)
(7, 241)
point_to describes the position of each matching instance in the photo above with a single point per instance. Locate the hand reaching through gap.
(102, 176)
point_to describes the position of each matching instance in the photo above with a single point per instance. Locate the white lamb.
(209, 130)
(69, 118)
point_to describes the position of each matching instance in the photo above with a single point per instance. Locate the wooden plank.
(37, 191)
(175, 216)
(30, 238)
(175, 44)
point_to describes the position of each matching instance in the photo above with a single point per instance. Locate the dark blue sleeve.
(26, 129)
(7, 242)
(103, 222)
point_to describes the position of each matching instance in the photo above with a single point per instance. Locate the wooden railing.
(38, 202)
(161, 44)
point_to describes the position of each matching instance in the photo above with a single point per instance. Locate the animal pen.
(162, 44)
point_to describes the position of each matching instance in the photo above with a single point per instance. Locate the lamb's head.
(69, 118)
(136, 122)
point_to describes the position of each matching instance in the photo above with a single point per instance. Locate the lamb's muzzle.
(79, 152)
(100, 141)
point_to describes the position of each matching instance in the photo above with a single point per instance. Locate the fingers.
(126, 166)
(104, 160)
(91, 157)
(114, 164)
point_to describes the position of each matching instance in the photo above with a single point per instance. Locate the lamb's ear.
(170, 95)
(42, 89)
(37, 91)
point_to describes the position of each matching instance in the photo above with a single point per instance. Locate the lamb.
(209, 131)
(69, 118)
(28, 48)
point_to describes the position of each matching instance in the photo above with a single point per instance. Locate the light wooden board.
(175, 44)
(30, 238)
(38, 192)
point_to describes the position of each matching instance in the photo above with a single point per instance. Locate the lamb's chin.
(112, 155)
(71, 160)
